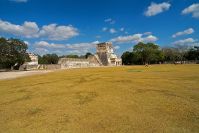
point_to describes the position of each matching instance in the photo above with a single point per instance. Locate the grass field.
(159, 98)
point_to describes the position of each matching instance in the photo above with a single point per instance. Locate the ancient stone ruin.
(33, 59)
(104, 57)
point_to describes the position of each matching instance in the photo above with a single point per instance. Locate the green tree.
(127, 58)
(12, 53)
(148, 53)
(72, 56)
(48, 59)
(171, 54)
(88, 54)
(41, 60)
(192, 54)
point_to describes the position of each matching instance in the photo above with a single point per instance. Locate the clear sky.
(75, 26)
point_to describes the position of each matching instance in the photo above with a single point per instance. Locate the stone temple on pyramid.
(104, 56)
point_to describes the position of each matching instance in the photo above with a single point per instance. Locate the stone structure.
(32, 64)
(106, 54)
(40, 67)
(73, 62)
(33, 59)
(104, 57)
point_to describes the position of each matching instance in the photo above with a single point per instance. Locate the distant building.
(104, 57)
(33, 59)
(106, 54)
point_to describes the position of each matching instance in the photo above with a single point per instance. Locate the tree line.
(150, 53)
(13, 53)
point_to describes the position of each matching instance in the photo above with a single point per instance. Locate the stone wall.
(40, 67)
(94, 60)
(78, 63)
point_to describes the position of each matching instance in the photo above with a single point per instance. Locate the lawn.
(132, 99)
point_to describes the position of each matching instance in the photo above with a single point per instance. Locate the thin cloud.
(49, 45)
(82, 46)
(155, 8)
(147, 33)
(110, 21)
(117, 47)
(79, 48)
(185, 32)
(134, 39)
(192, 9)
(127, 39)
(112, 31)
(150, 38)
(184, 41)
(122, 29)
(104, 29)
(98, 36)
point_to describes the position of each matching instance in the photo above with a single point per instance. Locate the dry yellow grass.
(159, 98)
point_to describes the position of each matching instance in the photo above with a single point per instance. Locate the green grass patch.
(133, 70)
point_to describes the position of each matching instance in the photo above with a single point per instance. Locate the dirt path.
(16, 74)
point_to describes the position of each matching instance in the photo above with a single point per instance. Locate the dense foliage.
(192, 54)
(143, 54)
(150, 53)
(12, 53)
(48, 59)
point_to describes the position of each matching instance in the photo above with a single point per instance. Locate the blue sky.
(75, 26)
